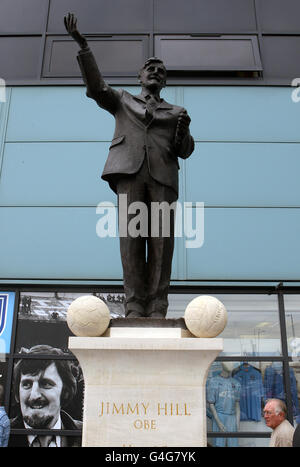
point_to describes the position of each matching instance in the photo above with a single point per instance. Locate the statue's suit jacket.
(134, 137)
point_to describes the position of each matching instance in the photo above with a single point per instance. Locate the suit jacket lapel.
(163, 105)
(139, 97)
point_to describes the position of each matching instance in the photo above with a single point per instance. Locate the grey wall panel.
(19, 57)
(22, 16)
(204, 16)
(281, 57)
(279, 15)
(102, 15)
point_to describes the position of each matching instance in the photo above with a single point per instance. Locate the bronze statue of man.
(150, 135)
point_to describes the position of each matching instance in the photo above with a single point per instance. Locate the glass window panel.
(292, 319)
(295, 389)
(236, 393)
(42, 317)
(253, 322)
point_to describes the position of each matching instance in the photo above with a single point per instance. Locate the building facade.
(234, 66)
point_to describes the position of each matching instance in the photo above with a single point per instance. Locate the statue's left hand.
(183, 124)
(70, 22)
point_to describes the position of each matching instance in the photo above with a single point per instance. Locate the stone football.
(205, 316)
(88, 316)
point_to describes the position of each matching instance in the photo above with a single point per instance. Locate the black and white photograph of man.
(43, 390)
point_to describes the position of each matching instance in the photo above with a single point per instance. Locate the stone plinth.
(145, 386)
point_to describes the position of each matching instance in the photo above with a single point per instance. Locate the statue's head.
(153, 74)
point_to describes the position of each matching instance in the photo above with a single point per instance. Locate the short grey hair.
(152, 60)
(280, 406)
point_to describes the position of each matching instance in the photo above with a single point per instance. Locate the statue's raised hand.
(71, 26)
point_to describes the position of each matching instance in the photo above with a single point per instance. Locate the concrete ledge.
(145, 343)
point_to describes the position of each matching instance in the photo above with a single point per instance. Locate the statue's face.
(153, 76)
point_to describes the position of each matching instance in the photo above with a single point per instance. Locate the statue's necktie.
(151, 105)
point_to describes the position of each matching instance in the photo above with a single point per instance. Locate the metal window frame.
(209, 37)
(50, 39)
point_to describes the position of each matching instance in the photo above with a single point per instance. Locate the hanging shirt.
(252, 392)
(4, 428)
(223, 393)
(214, 370)
(274, 385)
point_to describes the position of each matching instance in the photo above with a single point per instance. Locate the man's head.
(153, 74)
(274, 412)
(43, 386)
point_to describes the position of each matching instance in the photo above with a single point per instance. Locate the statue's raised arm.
(71, 26)
(97, 88)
